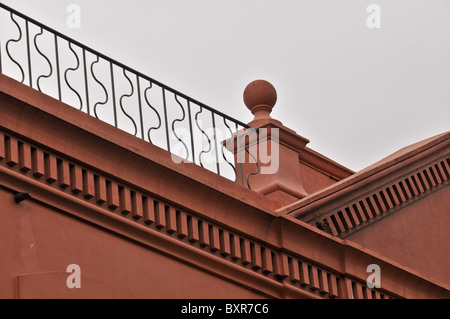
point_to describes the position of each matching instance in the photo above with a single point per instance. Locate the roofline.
(367, 175)
(324, 164)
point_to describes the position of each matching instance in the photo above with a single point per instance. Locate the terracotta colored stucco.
(140, 225)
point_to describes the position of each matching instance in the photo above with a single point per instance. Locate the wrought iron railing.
(75, 74)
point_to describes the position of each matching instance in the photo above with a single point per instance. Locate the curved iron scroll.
(157, 114)
(15, 40)
(128, 95)
(228, 141)
(204, 133)
(46, 76)
(180, 120)
(249, 131)
(73, 69)
(101, 84)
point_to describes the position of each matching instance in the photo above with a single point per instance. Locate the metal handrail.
(119, 64)
(233, 130)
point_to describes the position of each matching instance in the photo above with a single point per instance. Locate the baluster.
(215, 143)
(191, 131)
(165, 118)
(140, 106)
(239, 155)
(86, 81)
(28, 52)
(113, 93)
(58, 75)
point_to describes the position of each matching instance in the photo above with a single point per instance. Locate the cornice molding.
(372, 177)
(273, 270)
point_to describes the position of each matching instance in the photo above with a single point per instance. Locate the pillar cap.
(260, 97)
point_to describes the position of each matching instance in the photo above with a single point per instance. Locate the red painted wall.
(38, 243)
(415, 236)
(199, 236)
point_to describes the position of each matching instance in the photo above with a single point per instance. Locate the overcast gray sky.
(358, 94)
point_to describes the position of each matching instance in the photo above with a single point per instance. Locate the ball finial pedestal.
(278, 175)
(260, 97)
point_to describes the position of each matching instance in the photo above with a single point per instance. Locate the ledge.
(96, 144)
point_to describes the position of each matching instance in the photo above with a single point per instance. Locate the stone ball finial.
(260, 97)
